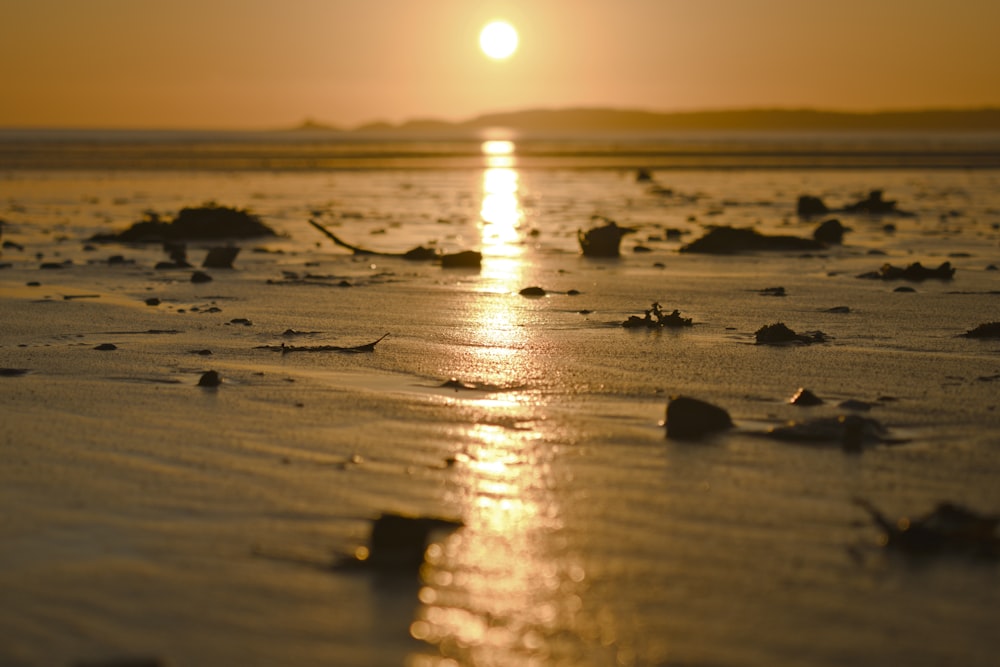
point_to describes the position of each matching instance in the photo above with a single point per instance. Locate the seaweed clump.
(731, 240)
(778, 333)
(655, 318)
(915, 272)
(207, 222)
(948, 528)
(985, 330)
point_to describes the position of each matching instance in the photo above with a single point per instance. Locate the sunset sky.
(274, 63)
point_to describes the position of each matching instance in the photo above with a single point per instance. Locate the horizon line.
(311, 122)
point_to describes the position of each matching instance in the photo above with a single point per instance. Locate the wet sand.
(147, 516)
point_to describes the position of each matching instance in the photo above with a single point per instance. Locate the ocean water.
(138, 520)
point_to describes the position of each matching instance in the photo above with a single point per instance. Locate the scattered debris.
(731, 240)
(805, 398)
(210, 379)
(949, 528)
(241, 321)
(13, 372)
(838, 309)
(152, 301)
(692, 419)
(284, 349)
(206, 222)
(220, 257)
(106, 347)
(915, 272)
(200, 277)
(655, 318)
(772, 291)
(604, 241)
(533, 291)
(778, 333)
(985, 330)
(809, 206)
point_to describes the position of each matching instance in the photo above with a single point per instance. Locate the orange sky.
(273, 63)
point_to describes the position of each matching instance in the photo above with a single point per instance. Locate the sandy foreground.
(147, 517)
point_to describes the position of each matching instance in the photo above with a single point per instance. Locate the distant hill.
(596, 120)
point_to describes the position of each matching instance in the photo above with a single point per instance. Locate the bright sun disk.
(498, 40)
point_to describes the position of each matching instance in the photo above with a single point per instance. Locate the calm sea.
(326, 150)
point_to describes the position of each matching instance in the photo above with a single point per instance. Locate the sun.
(498, 40)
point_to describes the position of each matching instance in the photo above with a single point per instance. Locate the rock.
(986, 330)
(106, 347)
(915, 272)
(805, 398)
(692, 419)
(210, 379)
(220, 258)
(603, 241)
(809, 206)
(732, 240)
(467, 259)
(830, 232)
(152, 301)
(904, 288)
(200, 277)
(533, 291)
(778, 333)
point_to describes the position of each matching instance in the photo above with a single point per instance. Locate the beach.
(150, 518)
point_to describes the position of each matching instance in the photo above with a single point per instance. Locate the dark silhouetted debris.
(604, 241)
(221, 257)
(655, 318)
(904, 288)
(55, 265)
(533, 291)
(200, 277)
(851, 432)
(809, 206)
(242, 321)
(838, 309)
(805, 398)
(692, 419)
(398, 543)
(643, 176)
(284, 349)
(467, 259)
(778, 333)
(915, 272)
(949, 528)
(203, 353)
(199, 223)
(773, 291)
(874, 204)
(830, 232)
(106, 347)
(418, 254)
(985, 330)
(152, 301)
(210, 379)
(13, 372)
(732, 240)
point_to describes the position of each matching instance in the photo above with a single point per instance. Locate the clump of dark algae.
(396, 546)
(873, 205)
(693, 419)
(202, 223)
(724, 240)
(915, 272)
(779, 334)
(985, 330)
(655, 318)
(603, 241)
(948, 528)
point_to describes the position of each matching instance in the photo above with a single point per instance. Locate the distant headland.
(609, 120)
